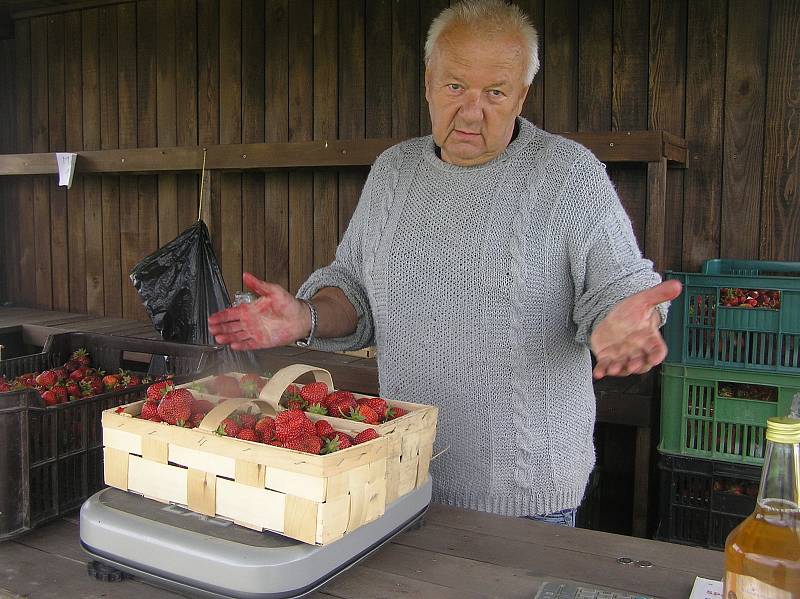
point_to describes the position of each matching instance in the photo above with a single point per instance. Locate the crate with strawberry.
(50, 407)
(410, 427)
(297, 473)
(737, 314)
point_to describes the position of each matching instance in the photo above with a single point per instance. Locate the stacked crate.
(733, 361)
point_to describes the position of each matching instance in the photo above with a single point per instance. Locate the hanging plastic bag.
(181, 285)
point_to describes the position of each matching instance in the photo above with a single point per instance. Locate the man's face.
(475, 89)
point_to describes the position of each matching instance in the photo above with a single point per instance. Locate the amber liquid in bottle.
(762, 554)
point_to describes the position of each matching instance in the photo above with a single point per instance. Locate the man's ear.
(522, 99)
(427, 84)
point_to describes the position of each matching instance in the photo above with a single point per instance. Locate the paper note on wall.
(66, 167)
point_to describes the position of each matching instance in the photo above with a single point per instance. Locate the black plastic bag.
(181, 285)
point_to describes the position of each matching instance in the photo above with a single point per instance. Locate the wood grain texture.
(561, 66)
(326, 113)
(352, 104)
(428, 11)
(166, 114)
(780, 214)
(594, 65)
(253, 114)
(405, 70)
(301, 127)
(378, 62)
(276, 198)
(186, 108)
(705, 58)
(230, 52)
(745, 94)
(533, 109)
(667, 102)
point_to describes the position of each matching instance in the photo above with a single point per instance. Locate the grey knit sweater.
(480, 287)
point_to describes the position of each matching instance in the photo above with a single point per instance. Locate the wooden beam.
(616, 146)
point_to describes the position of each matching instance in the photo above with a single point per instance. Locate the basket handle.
(725, 266)
(271, 392)
(220, 412)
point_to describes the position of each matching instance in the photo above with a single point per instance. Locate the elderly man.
(484, 261)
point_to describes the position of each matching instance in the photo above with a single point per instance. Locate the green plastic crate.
(721, 414)
(702, 332)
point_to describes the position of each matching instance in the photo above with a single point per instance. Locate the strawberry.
(77, 374)
(324, 428)
(393, 412)
(47, 379)
(112, 382)
(251, 385)
(248, 421)
(4, 385)
(149, 409)
(197, 418)
(314, 393)
(363, 413)
(366, 435)
(275, 443)
(50, 397)
(227, 386)
(92, 385)
(228, 428)
(295, 403)
(157, 391)
(156, 418)
(248, 434)
(336, 443)
(71, 365)
(61, 373)
(82, 357)
(376, 403)
(129, 379)
(176, 407)
(304, 443)
(61, 392)
(341, 403)
(317, 408)
(266, 428)
(73, 390)
(293, 423)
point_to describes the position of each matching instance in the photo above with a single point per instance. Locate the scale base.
(193, 554)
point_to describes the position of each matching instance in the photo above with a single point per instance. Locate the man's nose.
(472, 107)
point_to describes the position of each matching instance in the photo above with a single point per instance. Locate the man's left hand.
(627, 341)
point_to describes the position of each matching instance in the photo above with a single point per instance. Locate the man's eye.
(454, 87)
(496, 93)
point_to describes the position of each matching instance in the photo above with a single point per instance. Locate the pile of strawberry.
(734, 297)
(316, 399)
(291, 429)
(74, 380)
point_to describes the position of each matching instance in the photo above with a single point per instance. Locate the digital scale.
(181, 550)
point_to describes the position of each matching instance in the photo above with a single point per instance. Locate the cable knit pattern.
(480, 286)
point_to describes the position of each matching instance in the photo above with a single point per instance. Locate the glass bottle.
(762, 554)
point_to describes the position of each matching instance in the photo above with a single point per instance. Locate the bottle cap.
(782, 429)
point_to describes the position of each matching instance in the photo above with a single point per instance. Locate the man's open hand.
(627, 341)
(275, 318)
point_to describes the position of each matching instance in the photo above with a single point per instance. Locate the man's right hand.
(275, 318)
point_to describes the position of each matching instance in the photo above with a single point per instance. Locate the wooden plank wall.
(723, 73)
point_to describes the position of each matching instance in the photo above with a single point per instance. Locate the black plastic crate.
(16, 342)
(51, 457)
(702, 501)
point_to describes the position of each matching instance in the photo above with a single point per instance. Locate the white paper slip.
(706, 589)
(66, 167)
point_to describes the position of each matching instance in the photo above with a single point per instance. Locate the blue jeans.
(562, 518)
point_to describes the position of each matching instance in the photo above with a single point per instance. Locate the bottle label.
(738, 586)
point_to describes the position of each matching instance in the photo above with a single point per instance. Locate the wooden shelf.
(620, 146)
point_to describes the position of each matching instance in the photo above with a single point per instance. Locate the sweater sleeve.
(346, 271)
(607, 265)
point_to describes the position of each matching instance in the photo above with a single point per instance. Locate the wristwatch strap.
(313, 309)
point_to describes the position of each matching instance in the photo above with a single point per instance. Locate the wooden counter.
(456, 554)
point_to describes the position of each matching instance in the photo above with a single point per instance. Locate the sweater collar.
(526, 131)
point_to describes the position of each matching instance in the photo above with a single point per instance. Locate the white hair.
(492, 16)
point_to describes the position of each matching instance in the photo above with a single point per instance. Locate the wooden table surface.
(456, 554)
